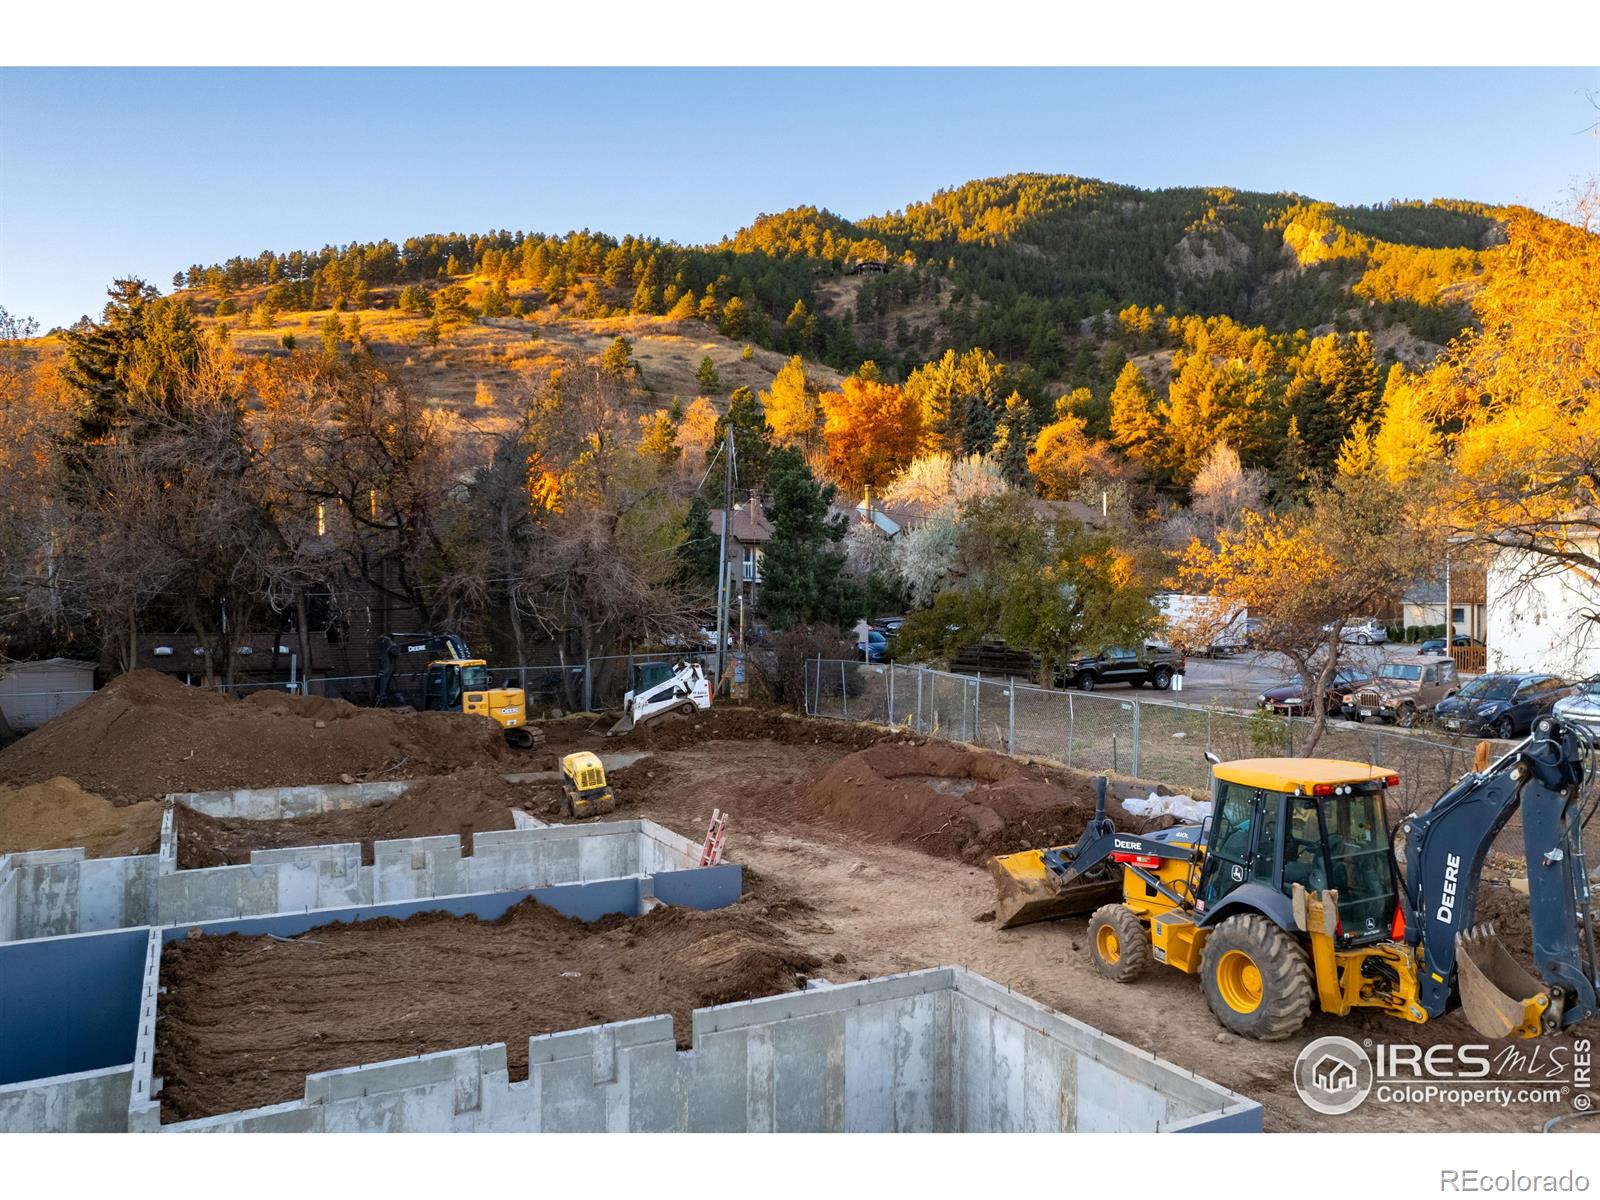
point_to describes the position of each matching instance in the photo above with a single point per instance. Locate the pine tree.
(706, 376)
(1135, 430)
(701, 546)
(645, 301)
(752, 438)
(1292, 474)
(791, 405)
(803, 566)
(682, 308)
(618, 359)
(1356, 457)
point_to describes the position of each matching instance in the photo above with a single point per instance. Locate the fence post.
(921, 672)
(976, 734)
(1011, 718)
(1134, 765)
(588, 685)
(1071, 723)
(1113, 753)
(844, 690)
(890, 668)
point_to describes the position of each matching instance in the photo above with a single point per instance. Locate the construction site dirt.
(464, 803)
(245, 1019)
(863, 851)
(145, 735)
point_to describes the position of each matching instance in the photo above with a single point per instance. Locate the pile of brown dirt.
(145, 735)
(245, 1019)
(756, 724)
(463, 803)
(58, 813)
(957, 803)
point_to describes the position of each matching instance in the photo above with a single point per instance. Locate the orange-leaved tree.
(873, 431)
(1524, 393)
(1305, 574)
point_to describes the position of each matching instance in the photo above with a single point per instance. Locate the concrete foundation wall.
(933, 1051)
(67, 1005)
(49, 893)
(89, 1102)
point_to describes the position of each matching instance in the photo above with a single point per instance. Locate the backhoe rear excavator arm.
(1446, 846)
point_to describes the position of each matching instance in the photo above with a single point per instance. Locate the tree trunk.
(130, 659)
(302, 635)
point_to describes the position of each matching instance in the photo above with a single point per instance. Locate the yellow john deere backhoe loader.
(456, 682)
(1290, 894)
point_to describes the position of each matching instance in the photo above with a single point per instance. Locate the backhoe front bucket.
(1499, 998)
(1024, 892)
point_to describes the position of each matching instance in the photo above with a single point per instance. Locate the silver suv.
(1402, 691)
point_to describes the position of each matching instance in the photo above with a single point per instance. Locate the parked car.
(1290, 697)
(1363, 631)
(875, 648)
(1436, 645)
(1155, 665)
(1503, 705)
(889, 625)
(1402, 691)
(1582, 707)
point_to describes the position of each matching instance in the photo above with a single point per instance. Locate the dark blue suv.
(1503, 705)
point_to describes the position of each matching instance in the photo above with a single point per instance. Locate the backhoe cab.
(1289, 895)
(457, 682)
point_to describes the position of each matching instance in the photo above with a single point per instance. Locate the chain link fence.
(1160, 740)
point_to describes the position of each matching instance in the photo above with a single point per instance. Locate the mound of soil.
(245, 1019)
(145, 735)
(58, 813)
(463, 803)
(756, 724)
(957, 803)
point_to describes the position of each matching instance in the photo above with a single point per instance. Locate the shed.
(33, 692)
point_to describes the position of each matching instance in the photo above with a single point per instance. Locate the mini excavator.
(456, 682)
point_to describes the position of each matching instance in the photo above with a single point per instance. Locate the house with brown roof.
(749, 531)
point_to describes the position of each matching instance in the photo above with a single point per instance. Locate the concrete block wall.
(279, 803)
(49, 893)
(87, 1102)
(941, 1050)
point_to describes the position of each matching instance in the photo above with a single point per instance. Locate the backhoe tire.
(1118, 943)
(1257, 978)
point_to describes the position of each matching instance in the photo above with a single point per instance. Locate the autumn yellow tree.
(1524, 391)
(792, 408)
(1064, 460)
(1305, 574)
(873, 432)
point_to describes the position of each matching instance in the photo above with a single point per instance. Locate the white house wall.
(1548, 623)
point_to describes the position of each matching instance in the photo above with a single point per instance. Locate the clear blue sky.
(141, 171)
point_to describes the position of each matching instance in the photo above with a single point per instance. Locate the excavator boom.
(1544, 777)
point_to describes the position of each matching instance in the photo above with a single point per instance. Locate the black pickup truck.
(1155, 665)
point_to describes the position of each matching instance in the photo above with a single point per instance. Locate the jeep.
(1402, 691)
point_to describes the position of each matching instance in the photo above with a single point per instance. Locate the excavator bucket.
(1024, 891)
(1499, 998)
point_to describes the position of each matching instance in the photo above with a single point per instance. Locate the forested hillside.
(511, 433)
